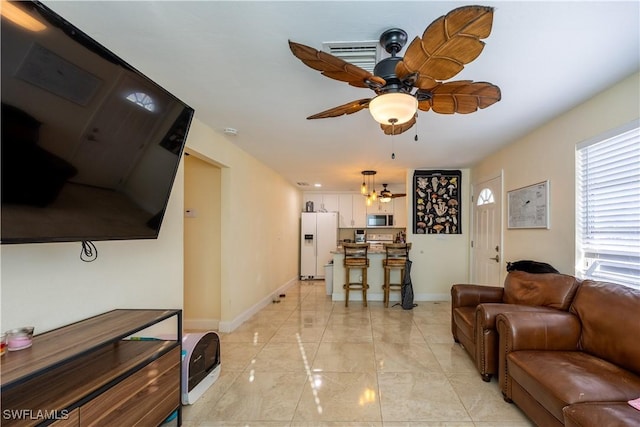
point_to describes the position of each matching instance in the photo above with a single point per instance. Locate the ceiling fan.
(386, 195)
(446, 45)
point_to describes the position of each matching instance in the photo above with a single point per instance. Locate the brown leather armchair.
(474, 309)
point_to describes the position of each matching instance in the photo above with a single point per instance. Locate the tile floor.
(307, 361)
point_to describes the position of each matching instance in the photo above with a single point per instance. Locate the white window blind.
(608, 207)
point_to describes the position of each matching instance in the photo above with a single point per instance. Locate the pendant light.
(368, 187)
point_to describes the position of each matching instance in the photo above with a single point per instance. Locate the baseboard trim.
(229, 326)
(201, 324)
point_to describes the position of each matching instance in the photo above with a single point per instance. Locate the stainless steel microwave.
(379, 220)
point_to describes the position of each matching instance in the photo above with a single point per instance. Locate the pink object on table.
(19, 342)
(635, 403)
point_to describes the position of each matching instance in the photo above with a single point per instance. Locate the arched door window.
(143, 100)
(485, 197)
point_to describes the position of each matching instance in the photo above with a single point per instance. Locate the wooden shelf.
(59, 345)
(81, 363)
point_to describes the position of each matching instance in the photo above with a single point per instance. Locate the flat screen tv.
(90, 146)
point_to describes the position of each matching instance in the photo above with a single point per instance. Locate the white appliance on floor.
(318, 237)
(200, 364)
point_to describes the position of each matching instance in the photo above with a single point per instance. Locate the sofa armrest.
(487, 313)
(530, 330)
(537, 330)
(486, 335)
(464, 295)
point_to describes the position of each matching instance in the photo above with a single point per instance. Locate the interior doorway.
(486, 246)
(202, 244)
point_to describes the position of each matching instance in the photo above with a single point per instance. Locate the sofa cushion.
(610, 326)
(618, 414)
(548, 289)
(560, 378)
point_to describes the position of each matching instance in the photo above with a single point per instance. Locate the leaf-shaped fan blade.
(462, 97)
(447, 44)
(334, 67)
(398, 129)
(349, 108)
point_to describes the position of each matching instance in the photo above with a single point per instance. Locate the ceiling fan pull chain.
(416, 137)
(393, 140)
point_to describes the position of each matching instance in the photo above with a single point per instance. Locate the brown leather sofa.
(578, 368)
(474, 309)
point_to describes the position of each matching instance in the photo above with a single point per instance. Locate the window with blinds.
(608, 207)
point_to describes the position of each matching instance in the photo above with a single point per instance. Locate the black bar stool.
(355, 258)
(396, 259)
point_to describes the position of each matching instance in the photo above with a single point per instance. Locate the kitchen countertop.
(340, 251)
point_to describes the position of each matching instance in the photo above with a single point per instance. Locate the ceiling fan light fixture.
(393, 108)
(385, 195)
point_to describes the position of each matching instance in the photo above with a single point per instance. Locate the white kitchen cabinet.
(322, 202)
(345, 210)
(359, 211)
(353, 213)
(316, 198)
(329, 202)
(400, 212)
(378, 207)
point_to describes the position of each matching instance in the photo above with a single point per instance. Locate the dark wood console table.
(87, 373)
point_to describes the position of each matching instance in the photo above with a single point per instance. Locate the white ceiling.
(230, 61)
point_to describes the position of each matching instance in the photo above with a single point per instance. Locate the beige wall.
(260, 221)
(47, 285)
(439, 260)
(202, 244)
(548, 153)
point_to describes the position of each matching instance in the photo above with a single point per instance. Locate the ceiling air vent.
(365, 54)
(302, 184)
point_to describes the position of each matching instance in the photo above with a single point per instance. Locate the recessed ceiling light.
(317, 185)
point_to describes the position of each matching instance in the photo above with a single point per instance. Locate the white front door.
(487, 232)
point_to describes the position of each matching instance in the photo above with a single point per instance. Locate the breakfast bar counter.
(375, 278)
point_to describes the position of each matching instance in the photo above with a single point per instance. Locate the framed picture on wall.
(528, 207)
(436, 202)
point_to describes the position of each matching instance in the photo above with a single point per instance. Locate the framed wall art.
(528, 207)
(436, 197)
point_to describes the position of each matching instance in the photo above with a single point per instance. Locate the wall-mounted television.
(90, 146)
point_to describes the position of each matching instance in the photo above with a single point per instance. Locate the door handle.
(496, 258)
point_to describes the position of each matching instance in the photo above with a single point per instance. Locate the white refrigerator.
(318, 237)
